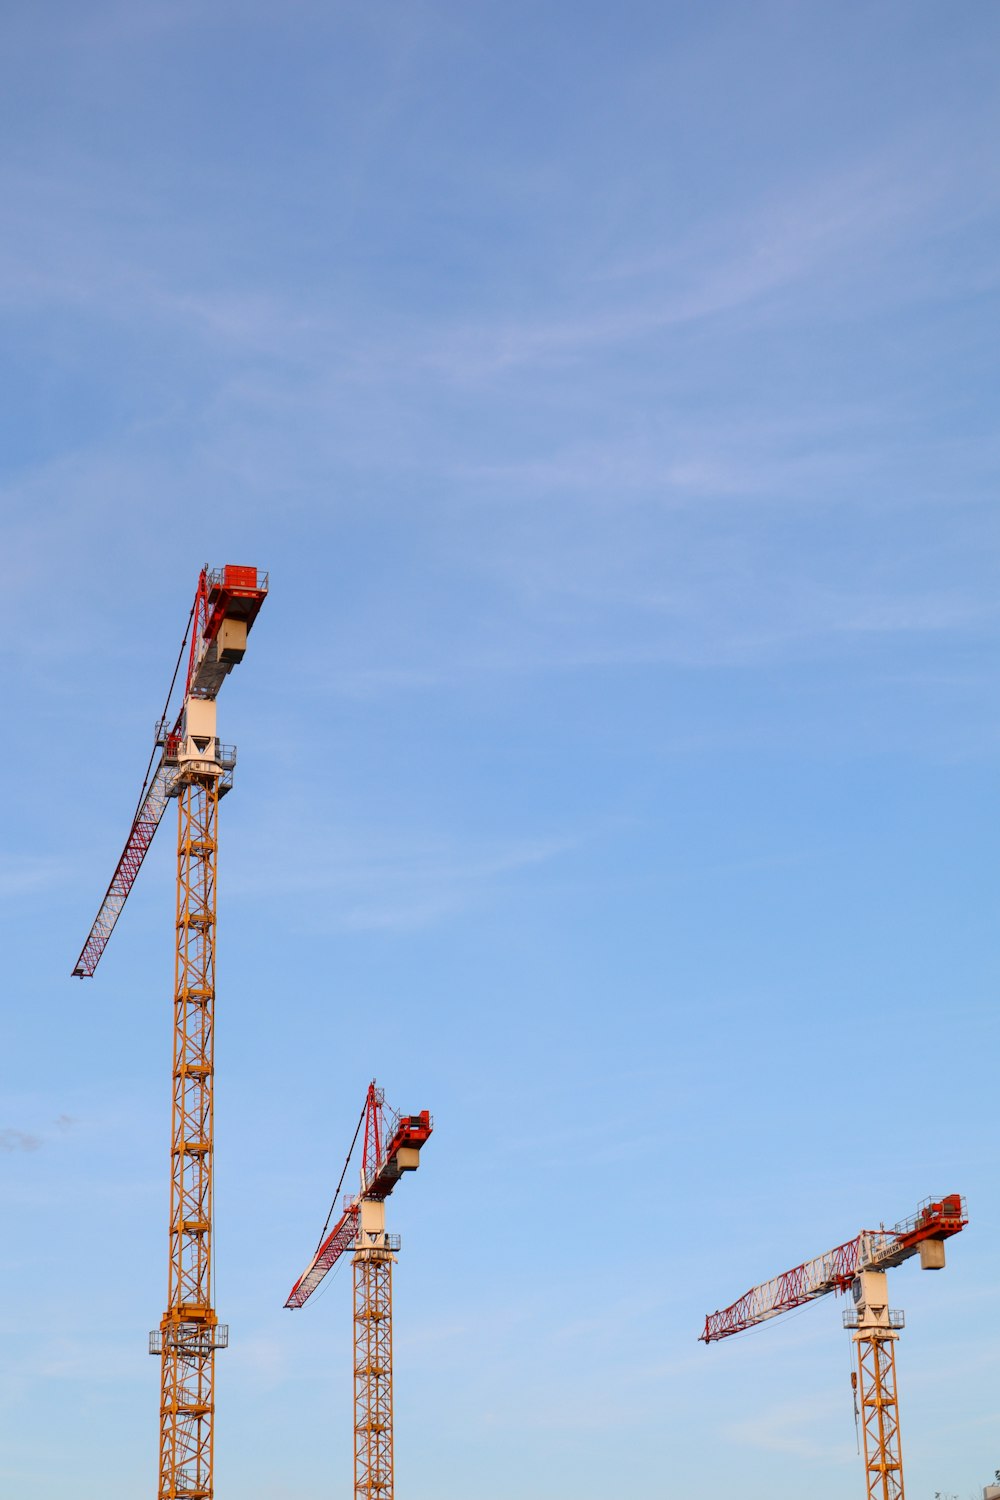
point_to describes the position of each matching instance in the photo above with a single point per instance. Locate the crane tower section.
(189, 1334)
(196, 769)
(859, 1265)
(391, 1147)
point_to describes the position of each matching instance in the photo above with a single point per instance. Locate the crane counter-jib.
(410, 1134)
(228, 603)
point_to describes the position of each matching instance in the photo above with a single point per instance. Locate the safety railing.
(233, 576)
(190, 1338)
(896, 1319)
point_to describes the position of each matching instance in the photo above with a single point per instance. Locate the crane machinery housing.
(392, 1145)
(195, 768)
(859, 1265)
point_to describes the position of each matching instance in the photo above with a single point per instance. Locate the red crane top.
(234, 594)
(388, 1152)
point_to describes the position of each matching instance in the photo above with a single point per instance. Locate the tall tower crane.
(392, 1145)
(189, 764)
(859, 1265)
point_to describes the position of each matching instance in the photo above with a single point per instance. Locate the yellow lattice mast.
(875, 1335)
(189, 1332)
(197, 770)
(372, 1265)
(391, 1147)
(859, 1266)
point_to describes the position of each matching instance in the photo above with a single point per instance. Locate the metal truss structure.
(859, 1265)
(189, 1330)
(373, 1478)
(879, 1416)
(196, 769)
(390, 1148)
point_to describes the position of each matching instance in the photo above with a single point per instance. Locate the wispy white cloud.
(58, 251)
(75, 1359)
(19, 1140)
(29, 874)
(813, 231)
(576, 540)
(262, 1361)
(791, 1427)
(400, 886)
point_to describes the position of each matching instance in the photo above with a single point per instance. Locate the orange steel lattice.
(189, 1332)
(373, 1374)
(880, 1417)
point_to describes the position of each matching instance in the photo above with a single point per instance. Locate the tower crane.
(189, 764)
(392, 1145)
(859, 1265)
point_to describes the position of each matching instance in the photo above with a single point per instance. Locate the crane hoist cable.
(340, 1184)
(162, 720)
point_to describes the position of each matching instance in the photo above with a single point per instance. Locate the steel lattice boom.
(147, 821)
(341, 1238)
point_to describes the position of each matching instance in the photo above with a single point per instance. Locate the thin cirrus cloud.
(28, 875)
(14, 1140)
(401, 887)
(790, 1427)
(57, 249)
(19, 1140)
(846, 225)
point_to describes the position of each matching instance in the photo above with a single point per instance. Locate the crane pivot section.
(859, 1265)
(226, 604)
(194, 768)
(392, 1145)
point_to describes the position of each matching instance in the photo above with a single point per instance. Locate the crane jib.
(140, 837)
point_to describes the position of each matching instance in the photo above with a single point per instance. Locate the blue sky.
(611, 394)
